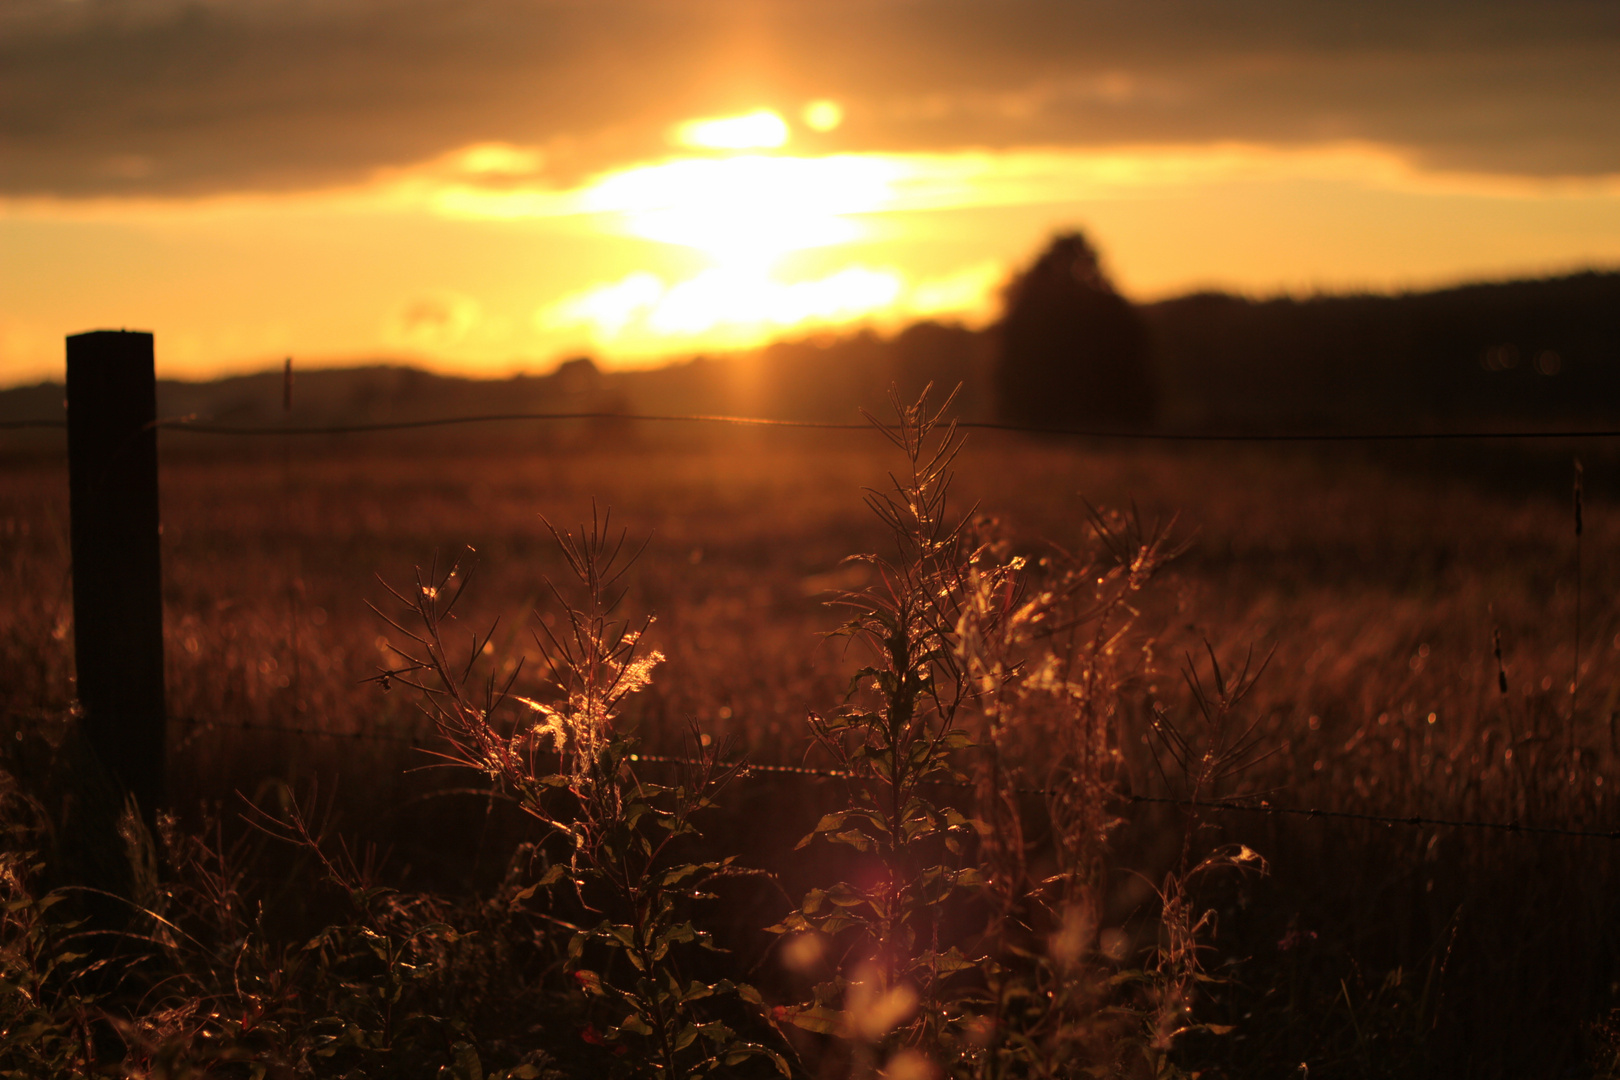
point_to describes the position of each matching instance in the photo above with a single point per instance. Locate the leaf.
(794, 923)
(696, 991)
(971, 878)
(955, 819)
(464, 1064)
(675, 935)
(678, 874)
(741, 1052)
(828, 823)
(717, 1032)
(853, 838)
(918, 828)
(833, 925)
(948, 962)
(846, 895)
(817, 1019)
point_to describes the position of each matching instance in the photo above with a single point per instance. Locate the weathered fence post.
(117, 583)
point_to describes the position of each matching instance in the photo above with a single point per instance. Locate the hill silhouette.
(1528, 353)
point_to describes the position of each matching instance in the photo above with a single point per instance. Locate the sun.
(760, 129)
(746, 211)
(745, 207)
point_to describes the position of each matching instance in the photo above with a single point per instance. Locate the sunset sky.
(491, 185)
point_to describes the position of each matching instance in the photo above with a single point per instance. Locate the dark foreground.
(412, 931)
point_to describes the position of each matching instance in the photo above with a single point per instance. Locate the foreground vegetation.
(969, 895)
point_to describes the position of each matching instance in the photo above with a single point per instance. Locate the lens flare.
(823, 115)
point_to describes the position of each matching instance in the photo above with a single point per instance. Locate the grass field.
(1374, 588)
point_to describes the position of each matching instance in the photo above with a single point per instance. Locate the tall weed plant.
(621, 856)
(968, 940)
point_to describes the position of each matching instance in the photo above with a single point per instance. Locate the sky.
(489, 186)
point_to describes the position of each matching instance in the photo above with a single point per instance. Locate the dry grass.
(1374, 587)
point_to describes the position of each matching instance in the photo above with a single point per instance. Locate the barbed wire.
(306, 732)
(21, 425)
(195, 427)
(1238, 806)
(1415, 820)
(1218, 805)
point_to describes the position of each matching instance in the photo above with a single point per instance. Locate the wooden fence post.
(117, 582)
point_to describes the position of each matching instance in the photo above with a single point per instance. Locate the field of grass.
(1372, 592)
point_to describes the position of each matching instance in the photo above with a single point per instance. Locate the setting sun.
(760, 129)
(747, 210)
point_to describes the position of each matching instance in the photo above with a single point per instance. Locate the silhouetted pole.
(117, 582)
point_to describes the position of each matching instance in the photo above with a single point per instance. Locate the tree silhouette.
(1071, 350)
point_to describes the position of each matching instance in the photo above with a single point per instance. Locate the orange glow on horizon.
(644, 316)
(478, 260)
(745, 213)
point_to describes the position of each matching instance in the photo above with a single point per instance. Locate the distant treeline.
(1523, 352)
(1542, 352)
(1518, 353)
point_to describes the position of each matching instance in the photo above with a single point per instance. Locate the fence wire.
(203, 427)
(1224, 806)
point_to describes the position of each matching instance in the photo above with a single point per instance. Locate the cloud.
(187, 97)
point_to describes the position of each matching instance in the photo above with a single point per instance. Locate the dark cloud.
(156, 97)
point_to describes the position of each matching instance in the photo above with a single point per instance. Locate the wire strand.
(249, 431)
(812, 773)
